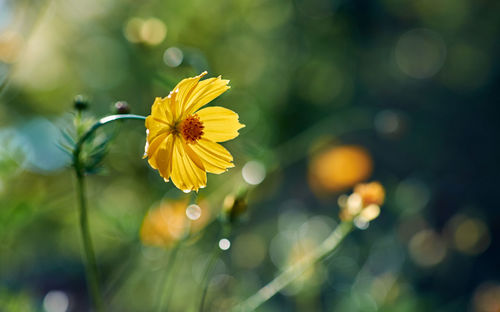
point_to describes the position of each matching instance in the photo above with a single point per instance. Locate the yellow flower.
(181, 137)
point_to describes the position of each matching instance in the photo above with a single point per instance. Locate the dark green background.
(302, 73)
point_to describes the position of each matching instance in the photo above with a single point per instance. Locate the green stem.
(293, 272)
(90, 262)
(210, 266)
(166, 293)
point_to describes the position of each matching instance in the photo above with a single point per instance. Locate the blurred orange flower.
(169, 222)
(181, 137)
(339, 168)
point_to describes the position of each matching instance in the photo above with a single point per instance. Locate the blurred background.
(332, 93)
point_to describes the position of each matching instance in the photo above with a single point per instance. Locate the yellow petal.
(221, 124)
(172, 104)
(160, 120)
(163, 157)
(186, 175)
(194, 157)
(155, 128)
(153, 145)
(161, 110)
(185, 89)
(204, 92)
(159, 154)
(215, 158)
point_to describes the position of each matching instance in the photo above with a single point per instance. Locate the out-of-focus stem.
(90, 262)
(166, 292)
(294, 271)
(210, 266)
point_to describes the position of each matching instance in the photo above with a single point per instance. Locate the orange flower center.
(192, 129)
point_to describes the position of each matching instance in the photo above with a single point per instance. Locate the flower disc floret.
(192, 129)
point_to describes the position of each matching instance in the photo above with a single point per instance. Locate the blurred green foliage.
(413, 82)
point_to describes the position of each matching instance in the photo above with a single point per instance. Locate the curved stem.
(97, 125)
(90, 262)
(293, 272)
(166, 293)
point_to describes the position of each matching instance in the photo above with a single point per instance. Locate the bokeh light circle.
(253, 172)
(427, 248)
(224, 244)
(56, 301)
(420, 53)
(173, 56)
(193, 212)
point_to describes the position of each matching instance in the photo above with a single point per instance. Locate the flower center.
(192, 129)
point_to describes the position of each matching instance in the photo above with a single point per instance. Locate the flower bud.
(371, 193)
(371, 212)
(80, 103)
(121, 107)
(234, 206)
(363, 204)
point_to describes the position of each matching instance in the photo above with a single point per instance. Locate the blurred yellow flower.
(181, 137)
(339, 168)
(168, 222)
